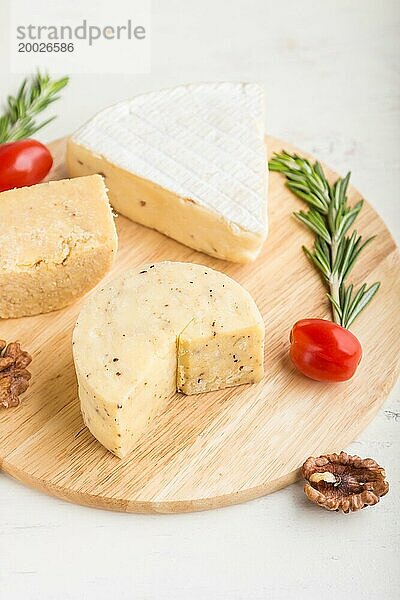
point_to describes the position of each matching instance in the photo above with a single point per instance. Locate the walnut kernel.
(344, 482)
(14, 377)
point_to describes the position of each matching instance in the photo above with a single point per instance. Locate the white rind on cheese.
(163, 327)
(57, 240)
(197, 148)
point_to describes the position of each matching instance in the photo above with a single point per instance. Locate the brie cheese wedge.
(188, 161)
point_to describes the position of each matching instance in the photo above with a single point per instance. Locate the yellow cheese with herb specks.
(155, 330)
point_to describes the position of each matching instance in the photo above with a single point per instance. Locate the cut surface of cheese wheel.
(57, 240)
(188, 161)
(152, 331)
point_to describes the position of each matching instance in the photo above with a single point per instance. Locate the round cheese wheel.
(159, 329)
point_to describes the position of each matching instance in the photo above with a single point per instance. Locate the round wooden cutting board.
(224, 447)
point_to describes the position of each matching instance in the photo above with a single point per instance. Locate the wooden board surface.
(223, 447)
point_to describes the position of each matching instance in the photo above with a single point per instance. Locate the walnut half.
(14, 377)
(344, 482)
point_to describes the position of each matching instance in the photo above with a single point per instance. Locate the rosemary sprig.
(18, 121)
(329, 217)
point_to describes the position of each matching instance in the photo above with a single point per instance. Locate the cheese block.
(57, 240)
(157, 329)
(188, 161)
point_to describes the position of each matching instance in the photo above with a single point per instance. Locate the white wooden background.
(330, 70)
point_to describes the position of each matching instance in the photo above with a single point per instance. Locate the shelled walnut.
(14, 377)
(344, 482)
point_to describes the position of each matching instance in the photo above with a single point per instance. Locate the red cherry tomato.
(324, 351)
(25, 162)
